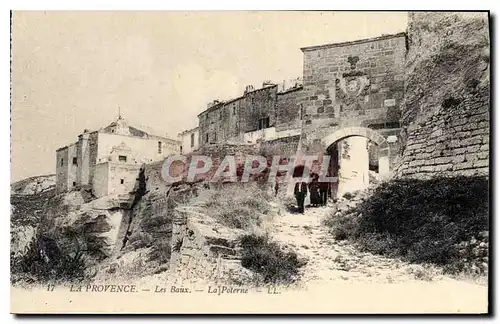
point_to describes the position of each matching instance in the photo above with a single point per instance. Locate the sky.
(72, 70)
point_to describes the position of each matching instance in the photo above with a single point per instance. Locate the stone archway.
(357, 134)
(356, 131)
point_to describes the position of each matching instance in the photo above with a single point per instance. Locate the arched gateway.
(353, 171)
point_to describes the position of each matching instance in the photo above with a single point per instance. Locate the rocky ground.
(332, 260)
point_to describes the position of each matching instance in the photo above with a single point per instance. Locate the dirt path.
(329, 259)
(352, 281)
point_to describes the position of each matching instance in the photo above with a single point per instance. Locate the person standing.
(314, 190)
(324, 187)
(300, 192)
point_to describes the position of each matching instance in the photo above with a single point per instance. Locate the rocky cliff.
(73, 235)
(447, 96)
(27, 203)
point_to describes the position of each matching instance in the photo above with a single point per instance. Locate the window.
(206, 138)
(122, 158)
(62, 162)
(74, 184)
(220, 115)
(263, 123)
(159, 147)
(122, 181)
(234, 109)
(75, 161)
(215, 137)
(192, 140)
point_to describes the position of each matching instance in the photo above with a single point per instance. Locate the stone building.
(228, 121)
(189, 140)
(108, 160)
(364, 104)
(252, 117)
(346, 105)
(351, 105)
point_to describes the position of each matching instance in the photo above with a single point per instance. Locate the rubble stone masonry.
(288, 109)
(358, 83)
(204, 250)
(446, 113)
(453, 141)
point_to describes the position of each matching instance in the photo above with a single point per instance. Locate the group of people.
(319, 192)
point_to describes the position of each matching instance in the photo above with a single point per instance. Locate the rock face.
(28, 199)
(447, 99)
(34, 185)
(203, 249)
(59, 236)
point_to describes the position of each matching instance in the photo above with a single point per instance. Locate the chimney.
(248, 88)
(212, 103)
(267, 83)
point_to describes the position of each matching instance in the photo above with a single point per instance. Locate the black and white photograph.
(250, 162)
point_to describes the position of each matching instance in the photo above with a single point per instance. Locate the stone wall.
(286, 147)
(259, 104)
(451, 142)
(288, 109)
(233, 110)
(228, 121)
(202, 254)
(356, 83)
(62, 169)
(210, 124)
(447, 99)
(221, 122)
(189, 140)
(88, 156)
(100, 185)
(122, 178)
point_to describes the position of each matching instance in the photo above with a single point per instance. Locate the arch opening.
(358, 156)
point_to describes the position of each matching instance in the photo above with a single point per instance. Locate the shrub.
(238, 206)
(348, 195)
(140, 240)
(420, 220)
(262, 256)
(50, 258)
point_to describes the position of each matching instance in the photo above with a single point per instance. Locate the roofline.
(214, 107)
(233, 100)
(266, 87)
(349, 43)
(300, 87)
(66, 146)
(223, 103)
(188, 130)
